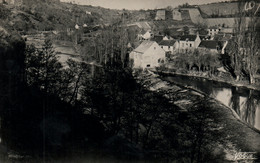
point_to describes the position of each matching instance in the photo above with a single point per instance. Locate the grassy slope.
(39, 15)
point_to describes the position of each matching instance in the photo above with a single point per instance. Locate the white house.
(168, 45)
(147, 55)
(88, 13)
(188, 42)
(76, 26)
(213, 30)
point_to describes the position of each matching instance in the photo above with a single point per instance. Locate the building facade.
(147, 55)
(168, 45)
(188, 42)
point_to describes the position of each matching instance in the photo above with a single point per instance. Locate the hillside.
(45, 15)
(226, 9)
(221, 9)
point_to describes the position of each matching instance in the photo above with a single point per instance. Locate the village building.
(168, 45)
(227, 30)
(175, 32)
(160, 15)
(144, 25)
(76, 26)
(157, 38)
(213, 30)
(213, 46)
(222, 37)
(167, 38)
(147, 55)
(204, 37)
(145, 35)
(88, 13)
(188, 42)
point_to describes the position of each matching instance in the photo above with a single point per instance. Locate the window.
(154, 48)
(190, 45)
(159, 60)
(169, 47)
(148, 65)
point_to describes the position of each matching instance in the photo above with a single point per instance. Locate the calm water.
(244, 101)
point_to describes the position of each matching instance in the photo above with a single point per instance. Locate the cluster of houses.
(155, 48)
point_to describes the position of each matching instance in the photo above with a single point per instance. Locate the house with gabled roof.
(168, 45)
(213, 46)
(213, 30)
(147, 55)
(188, 42)
(144, 25)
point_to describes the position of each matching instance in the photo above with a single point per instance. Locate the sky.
(139, 4)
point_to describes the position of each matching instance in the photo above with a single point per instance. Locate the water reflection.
(245, 102)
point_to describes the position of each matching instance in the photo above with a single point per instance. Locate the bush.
(4, 12)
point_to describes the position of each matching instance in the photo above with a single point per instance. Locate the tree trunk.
(251, 78)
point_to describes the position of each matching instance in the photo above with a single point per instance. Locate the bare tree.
(245, 45)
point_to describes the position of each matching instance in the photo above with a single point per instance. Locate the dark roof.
(143, 32)
(133, 28)
(188, 37)
(175, 32)
(167, 42)
(143, 25)
(157, 38)
(213, 27)
(209, 44)
(223, 37)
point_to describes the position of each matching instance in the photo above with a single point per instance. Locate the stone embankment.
(236, 136)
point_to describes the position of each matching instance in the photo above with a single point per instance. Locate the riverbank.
(229, 134)
(232, 82)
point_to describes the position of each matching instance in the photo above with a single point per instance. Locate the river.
(245, 102)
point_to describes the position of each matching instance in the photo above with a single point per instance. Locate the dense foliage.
(196, 60)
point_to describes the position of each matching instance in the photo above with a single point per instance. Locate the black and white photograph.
(129, 81)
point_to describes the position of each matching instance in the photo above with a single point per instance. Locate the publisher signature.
(245, 156)
(250, 5)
